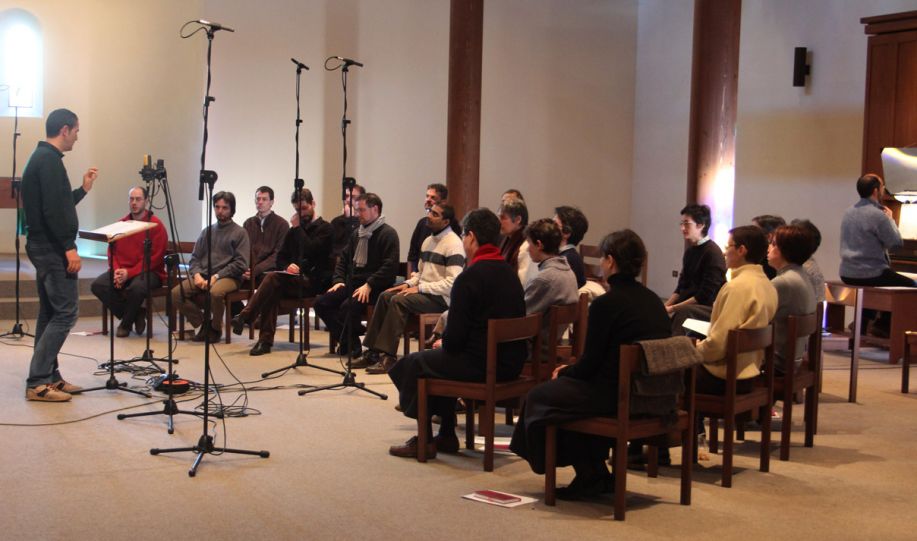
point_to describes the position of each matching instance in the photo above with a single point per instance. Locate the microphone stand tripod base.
(302, 361)
(205, 446)
(350, 380)
(114, 385)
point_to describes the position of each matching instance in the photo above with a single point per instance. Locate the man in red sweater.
(126, 302)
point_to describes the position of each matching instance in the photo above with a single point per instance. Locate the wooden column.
(714, 93)
(463, 140)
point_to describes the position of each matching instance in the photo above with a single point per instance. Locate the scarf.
(364, 233)
(487, 252)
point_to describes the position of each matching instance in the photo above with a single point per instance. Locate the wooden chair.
(804, 378)
(291, 306)
(910, 342)
(731, 404)
(490, 391)
(573, 317)
(622, 428)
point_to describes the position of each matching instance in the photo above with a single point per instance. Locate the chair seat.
(715, 405)
(637, 428)
(802, 379)
(478, 391)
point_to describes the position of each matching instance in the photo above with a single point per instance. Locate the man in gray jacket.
(229, 258)
(555, 282)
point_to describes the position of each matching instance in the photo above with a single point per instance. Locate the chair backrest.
(631, 360)
(560, 318)
(798, 327)
(747, 341)
(511, 330)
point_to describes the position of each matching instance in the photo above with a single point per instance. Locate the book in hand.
(700, 327)
(117, 230)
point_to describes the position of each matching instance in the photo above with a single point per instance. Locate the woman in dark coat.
(627, 313)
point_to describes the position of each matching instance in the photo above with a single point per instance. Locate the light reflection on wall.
(720, 199)
(908, 221)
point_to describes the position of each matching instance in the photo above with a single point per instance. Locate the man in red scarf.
(126, 302)
(488, 288)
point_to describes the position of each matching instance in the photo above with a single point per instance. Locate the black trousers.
(335, 307)
(126, 302)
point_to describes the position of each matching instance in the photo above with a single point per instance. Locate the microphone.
(214, 26)
(349, 62)
(299, 64)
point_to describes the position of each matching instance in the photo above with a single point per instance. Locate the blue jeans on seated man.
(58, 297)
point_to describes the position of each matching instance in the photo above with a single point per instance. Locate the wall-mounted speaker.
(800, 67)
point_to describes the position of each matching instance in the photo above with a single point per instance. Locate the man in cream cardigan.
(747, 301)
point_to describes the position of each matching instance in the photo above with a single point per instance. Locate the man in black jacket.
(366, 268)
(487, 289)
(51, 228)
(303, 267)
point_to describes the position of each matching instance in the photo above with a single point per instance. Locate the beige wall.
(122, 68)
(799, 151)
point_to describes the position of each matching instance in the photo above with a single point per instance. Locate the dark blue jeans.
(58, 297)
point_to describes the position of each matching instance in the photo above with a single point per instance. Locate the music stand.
(111, 234)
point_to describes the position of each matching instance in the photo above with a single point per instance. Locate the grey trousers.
(191, 303)
(391, 315)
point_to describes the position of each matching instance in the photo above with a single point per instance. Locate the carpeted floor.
(74, 471)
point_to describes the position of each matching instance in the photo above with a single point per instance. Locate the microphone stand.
(170, 407)
(208, 178)
(17, 193)
(350, 379)
(302, 360)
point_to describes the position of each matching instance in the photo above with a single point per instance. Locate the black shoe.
(589, 487)
(260, 349)
(237, 324)
(123, 331)
(202, 335)
(385, 363)
(140, 322)
(369, 358)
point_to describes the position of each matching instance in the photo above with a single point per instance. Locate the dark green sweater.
(48, 201)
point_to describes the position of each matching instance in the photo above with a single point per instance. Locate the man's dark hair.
(573, 222)
(305, 194)
(58, 119)
(515, 209)
(515, 192)
(753, 239)
(768, 222)
(230, 200)
(484, 224)
(813, 232)
(794, 243)
(700, 214)
(547, 232)
(868, 184)
(441, 190)
(358, 188)
(372, 200)
(266, 189)
(628, 251)
(447, 211)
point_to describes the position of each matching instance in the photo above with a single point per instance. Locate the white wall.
(122, 68)
(799, 151)
(661, 122)
(557, 107)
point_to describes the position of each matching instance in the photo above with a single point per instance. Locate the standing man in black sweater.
(51, 228)
(372, 255)
(703, 270)
(488, 288)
